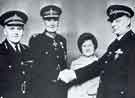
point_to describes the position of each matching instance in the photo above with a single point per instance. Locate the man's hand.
(67, 75)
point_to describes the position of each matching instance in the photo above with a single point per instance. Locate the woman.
(87, 45)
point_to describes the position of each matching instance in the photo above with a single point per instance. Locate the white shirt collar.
(13, 45)
(119, 37)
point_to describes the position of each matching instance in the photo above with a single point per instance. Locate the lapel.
(11, 57)
(8, 47)
(124, 42)
(129, 36)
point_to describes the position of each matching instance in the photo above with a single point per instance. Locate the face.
(13, 33)
(88, 48)
(120, 25)
(51, 25)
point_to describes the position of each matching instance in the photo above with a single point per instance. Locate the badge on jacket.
(118, 52)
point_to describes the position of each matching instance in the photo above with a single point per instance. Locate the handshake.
(66, 75)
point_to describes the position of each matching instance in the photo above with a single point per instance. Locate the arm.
(34, 45)
(92, 70)
(86, 73)
(64, 58)
(3, 74)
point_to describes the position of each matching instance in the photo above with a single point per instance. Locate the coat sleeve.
(33, 47)
(3, 72)
(91, 70)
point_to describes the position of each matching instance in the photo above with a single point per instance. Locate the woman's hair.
(84, 37)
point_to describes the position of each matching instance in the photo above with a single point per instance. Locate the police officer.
(114, 65)
(12, 54)
(49, 52)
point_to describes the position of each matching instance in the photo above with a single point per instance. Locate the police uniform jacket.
(113, 68)
(11, 71)
(50, 58)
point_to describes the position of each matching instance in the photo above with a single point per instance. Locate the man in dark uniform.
(13, 71)
(49, 51)
(114, 65)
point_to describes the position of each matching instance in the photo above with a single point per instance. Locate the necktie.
(17, 49)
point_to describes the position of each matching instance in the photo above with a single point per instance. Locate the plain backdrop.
(78, 16)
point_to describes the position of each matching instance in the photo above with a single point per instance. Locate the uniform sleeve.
(33, 46)
(64, 55)
(92, 70)
(65, 45)
(3, 73)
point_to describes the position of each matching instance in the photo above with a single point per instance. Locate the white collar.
(13, 45)
(119, 37)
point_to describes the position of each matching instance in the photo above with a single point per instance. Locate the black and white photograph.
(67, 48)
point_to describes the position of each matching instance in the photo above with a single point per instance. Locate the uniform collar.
(128, 35)
(119, 37)
(12, 45)
(51, 35)
(125, 36)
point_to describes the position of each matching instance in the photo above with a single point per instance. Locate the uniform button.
(110, 52)
(57, 57)
(122, 92)
(46, 52)
(23, 72)
(106, 62)
(9, 66)
(103, 72)
(22, 63)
